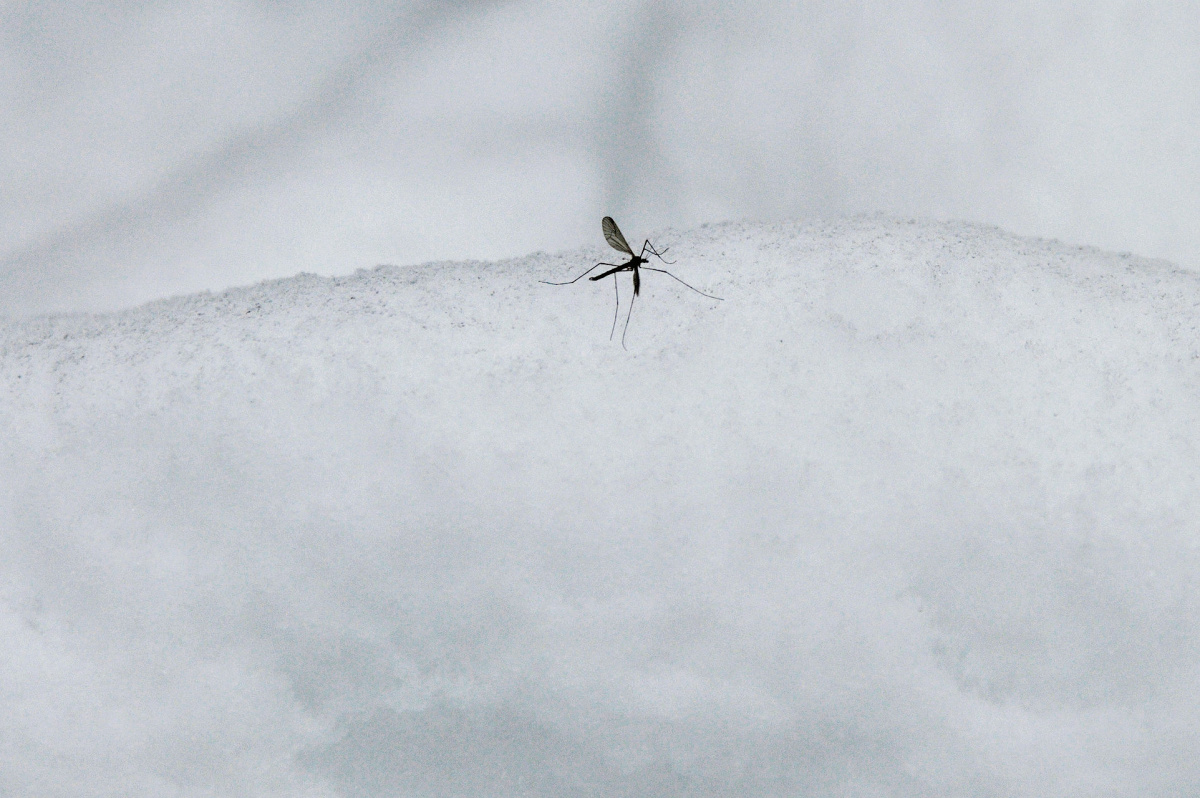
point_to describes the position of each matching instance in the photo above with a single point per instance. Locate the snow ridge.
(911, 512)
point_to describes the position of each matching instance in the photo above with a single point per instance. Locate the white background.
(150, 149)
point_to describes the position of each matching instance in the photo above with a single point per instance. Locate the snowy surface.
(912, 512)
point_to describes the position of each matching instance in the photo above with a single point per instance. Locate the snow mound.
(912, 512)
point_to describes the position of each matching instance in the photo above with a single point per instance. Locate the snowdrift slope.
(912, 512)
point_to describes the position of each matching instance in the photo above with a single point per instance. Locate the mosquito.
(612, 234)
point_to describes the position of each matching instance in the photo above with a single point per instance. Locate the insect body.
(612, 234)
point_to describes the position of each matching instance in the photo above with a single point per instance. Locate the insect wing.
(612, 234)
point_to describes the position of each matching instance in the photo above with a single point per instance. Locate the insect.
(612, 234)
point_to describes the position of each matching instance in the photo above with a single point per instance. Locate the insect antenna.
(673, 277)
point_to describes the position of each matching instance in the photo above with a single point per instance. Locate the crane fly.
(612, 234)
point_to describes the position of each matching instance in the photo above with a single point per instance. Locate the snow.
(911, 512)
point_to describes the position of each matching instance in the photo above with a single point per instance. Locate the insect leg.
(673, 277)
(616, 308)
(627, 317)
(649, 246)
(580, 277)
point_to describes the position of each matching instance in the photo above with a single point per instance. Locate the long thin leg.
(616, 308)
(673, 277)
(649, 246)
(580, 277)
(627, 317)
